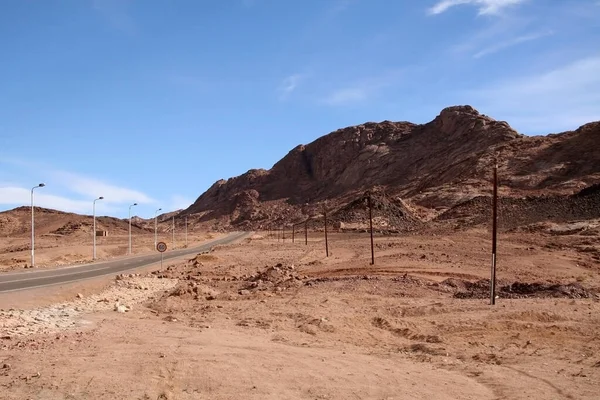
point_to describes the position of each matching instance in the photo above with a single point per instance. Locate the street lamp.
(155, 225)
(94, 232)
(33, 226)
(186, 230)
(134, 204)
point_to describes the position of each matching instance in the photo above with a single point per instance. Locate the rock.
(6, 366)
(79, 296)
(121, 308)
(210, 297)
(244, 292)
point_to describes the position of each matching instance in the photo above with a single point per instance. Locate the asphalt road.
(33, 279)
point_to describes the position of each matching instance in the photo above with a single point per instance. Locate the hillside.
(17, 222)
(433, 167)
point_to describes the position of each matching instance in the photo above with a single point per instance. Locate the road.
(33, 279)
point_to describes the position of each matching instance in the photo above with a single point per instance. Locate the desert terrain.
(267, 319)
(64, 239)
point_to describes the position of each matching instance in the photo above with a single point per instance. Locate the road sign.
(161, 246)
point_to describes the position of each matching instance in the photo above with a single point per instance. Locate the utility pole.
(371, 229)
(186, 230)
(326, 243)
(494, 236)
(306, 233)
(173, 233)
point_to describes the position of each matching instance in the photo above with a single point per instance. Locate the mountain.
(429, 168)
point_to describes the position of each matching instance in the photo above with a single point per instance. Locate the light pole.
(186, 230)
(173, 232)
(33, 227)
(94, 231)
(155, 225)
(134, 204)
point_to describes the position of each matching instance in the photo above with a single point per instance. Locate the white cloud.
(484, 6)
(92, 187)
(288, 85)
(363, 89)
(65, 191)
(179, 202)
(556, 100)
(346, 96)
(18, 196)
(494, 48)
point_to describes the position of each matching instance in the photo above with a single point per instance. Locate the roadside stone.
(244, 292)
(79, 296)
(121, 308)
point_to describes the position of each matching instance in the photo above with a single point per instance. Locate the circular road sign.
(161, 246)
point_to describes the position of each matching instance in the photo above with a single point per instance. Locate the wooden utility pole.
(306, 233)
(326, 243)
(371, 228)
(494, 236)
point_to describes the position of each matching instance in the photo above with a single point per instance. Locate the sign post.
(161, 247)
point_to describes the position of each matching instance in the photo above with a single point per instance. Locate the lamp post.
(173, 232)
(155, 228)
(134, 204)
(186, 229)
(33, 226)
(94, 230)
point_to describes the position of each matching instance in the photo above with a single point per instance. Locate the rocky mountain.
(429, 168)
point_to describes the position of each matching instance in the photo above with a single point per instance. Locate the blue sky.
(151, 101)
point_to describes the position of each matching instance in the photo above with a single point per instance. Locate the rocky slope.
(432, 167)
(17, 222)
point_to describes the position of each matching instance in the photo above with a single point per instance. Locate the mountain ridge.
(434, 165)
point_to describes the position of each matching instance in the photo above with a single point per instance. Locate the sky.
(152, 101)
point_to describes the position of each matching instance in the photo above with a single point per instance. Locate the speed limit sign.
(161, 246)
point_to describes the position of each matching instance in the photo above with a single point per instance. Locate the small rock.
(79, 296)
(6, 366)
(210, 297)
(121, 308)
(244, 292)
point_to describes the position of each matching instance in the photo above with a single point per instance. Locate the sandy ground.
(53, 250)
(269, 320)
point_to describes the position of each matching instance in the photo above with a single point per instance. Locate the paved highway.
(33, 279)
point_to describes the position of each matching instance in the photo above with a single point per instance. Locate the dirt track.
(280, 321)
